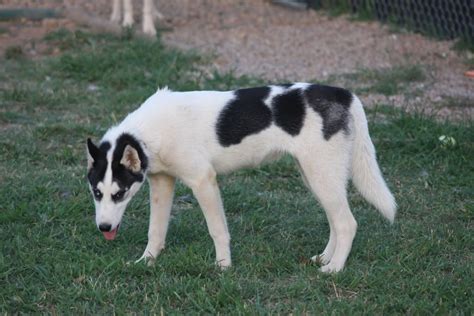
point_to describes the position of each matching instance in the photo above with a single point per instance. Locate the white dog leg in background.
(116, 11)
(127, 13)
(325, 257)
(149, 14)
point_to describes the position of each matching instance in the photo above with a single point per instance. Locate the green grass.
(333, 7)
(53, 259)
(464, 44)
(387, 81)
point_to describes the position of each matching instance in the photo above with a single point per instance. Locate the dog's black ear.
(131, 159)
(93, 153)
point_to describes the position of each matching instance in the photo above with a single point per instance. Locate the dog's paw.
(321, 259)
(128, 20)
(224, 264)
(157, 14)
(331, 268)
(149, 28)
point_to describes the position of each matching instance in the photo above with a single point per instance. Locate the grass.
(387, 81)
(53, 259)
(464, 44)
(457, 102)
(333, 7)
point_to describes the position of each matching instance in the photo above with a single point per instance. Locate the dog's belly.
(254, 150)
(230, 162)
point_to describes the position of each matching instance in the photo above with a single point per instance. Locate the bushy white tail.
(366, 174)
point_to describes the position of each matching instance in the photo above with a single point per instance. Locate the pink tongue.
(110, 235)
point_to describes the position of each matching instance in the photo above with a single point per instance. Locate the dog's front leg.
(161, 200)
(207, 193)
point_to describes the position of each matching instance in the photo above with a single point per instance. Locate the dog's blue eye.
(97, 193)
(117, 196)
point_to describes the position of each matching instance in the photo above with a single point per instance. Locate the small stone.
(92, 87)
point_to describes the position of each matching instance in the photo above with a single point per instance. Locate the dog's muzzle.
(108, 232)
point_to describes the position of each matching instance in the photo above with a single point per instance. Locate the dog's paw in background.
(147, 258)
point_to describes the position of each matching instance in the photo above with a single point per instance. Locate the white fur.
(178, 131)
(149, 15)
(366, 174)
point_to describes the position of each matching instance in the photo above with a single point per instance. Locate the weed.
(464, 44)
(456, 102)
(388, 81)
(14, 52)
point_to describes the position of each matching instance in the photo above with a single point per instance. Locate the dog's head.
(115, 173)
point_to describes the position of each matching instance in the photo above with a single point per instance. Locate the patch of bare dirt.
(27, 36)
(253, 37)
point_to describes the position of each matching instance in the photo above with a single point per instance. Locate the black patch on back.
(245, 115)
(99, 154)
(289, 111)
(123, 176)
(285, 85)
(332, 104)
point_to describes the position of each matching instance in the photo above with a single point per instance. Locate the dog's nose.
(105, 227)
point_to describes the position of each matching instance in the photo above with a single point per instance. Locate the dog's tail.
(366, 174)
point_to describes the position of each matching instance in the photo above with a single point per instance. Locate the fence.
(446, 19)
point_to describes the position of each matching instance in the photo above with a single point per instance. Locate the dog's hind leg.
(326, 255)
(116, 11)
(127, 13)
(161, 200)
(327, 171)
(149, 11)
(207, 193)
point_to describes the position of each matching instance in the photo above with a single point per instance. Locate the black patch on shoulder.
(332, 104)
(289, 111)
(284, 85)
(244, 115)
(99, 154)
(123, 176)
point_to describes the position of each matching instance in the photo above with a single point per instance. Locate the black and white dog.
(193, 136)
